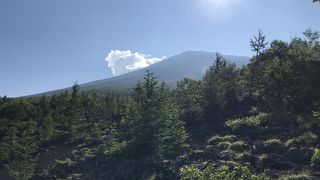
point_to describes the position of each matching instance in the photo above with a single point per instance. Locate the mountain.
(191, 64)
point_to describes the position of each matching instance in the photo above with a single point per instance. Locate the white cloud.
(121, 62)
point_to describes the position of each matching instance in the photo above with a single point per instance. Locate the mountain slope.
(191, 64)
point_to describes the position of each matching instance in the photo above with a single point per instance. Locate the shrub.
(307, 138)
(238, 146)
(291, 142)
(191, 173)
(218, 138)
(21, 169)
(299, 176)
(261, 159)
(315, 160)
(224, 145)
(237, 172)
(228, 154)
(244, 156)
(246, 123)
(66, 163)
(116, 148)
(273, 144)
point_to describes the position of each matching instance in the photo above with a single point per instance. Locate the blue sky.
(49, 44)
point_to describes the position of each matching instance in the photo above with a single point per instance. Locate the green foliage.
(22, 169)
(218, 138)
(116, 148)
(238, 146)
(315, 160)
(119, 135)
(46, 131)
(273, 144)
(224, 145)
(191, 173)
(246, 123)
(307, 138)
(219, 91)
(153, 120)
(298, 176)
(259, 43)
(65, 163)
(236, 173)
(189, 99)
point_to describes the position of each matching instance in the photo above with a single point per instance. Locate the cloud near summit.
(121, 62)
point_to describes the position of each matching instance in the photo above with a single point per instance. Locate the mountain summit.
(191, 64)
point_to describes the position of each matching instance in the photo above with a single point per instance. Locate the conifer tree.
(155, 126)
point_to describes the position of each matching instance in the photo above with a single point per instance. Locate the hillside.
(191, 64)
(260, 121)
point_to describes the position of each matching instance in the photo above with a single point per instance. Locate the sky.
(50, 44)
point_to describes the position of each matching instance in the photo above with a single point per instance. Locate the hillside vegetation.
(259, 121)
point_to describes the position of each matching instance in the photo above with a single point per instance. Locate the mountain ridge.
(191, 64)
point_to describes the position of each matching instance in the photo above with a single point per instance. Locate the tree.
(18, 141)
(75, 114)
(312, 36)
(219, 91)
(153, 120)
(258, 43)
(189, 99)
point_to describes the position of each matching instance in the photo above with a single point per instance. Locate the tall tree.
(155, 127)
(189, 98)
(219, 90)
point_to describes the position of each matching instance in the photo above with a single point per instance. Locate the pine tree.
(153, 119)
(189, 99)
(75, 114)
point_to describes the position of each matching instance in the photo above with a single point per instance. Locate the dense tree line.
(158, 133)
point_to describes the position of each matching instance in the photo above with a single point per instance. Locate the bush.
(273, 144)
(116, 148)
(237, 172)
(246, 123)
(66, 163)
(228, 154)
(315, 160)
(307, 138)
(291, 142)
(21, 169)
(224, 145)
(218, 138)
(299, 176)
(238, 146)
(191, 173)
(244, 156)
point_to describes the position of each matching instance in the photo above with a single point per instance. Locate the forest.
(259, 121)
